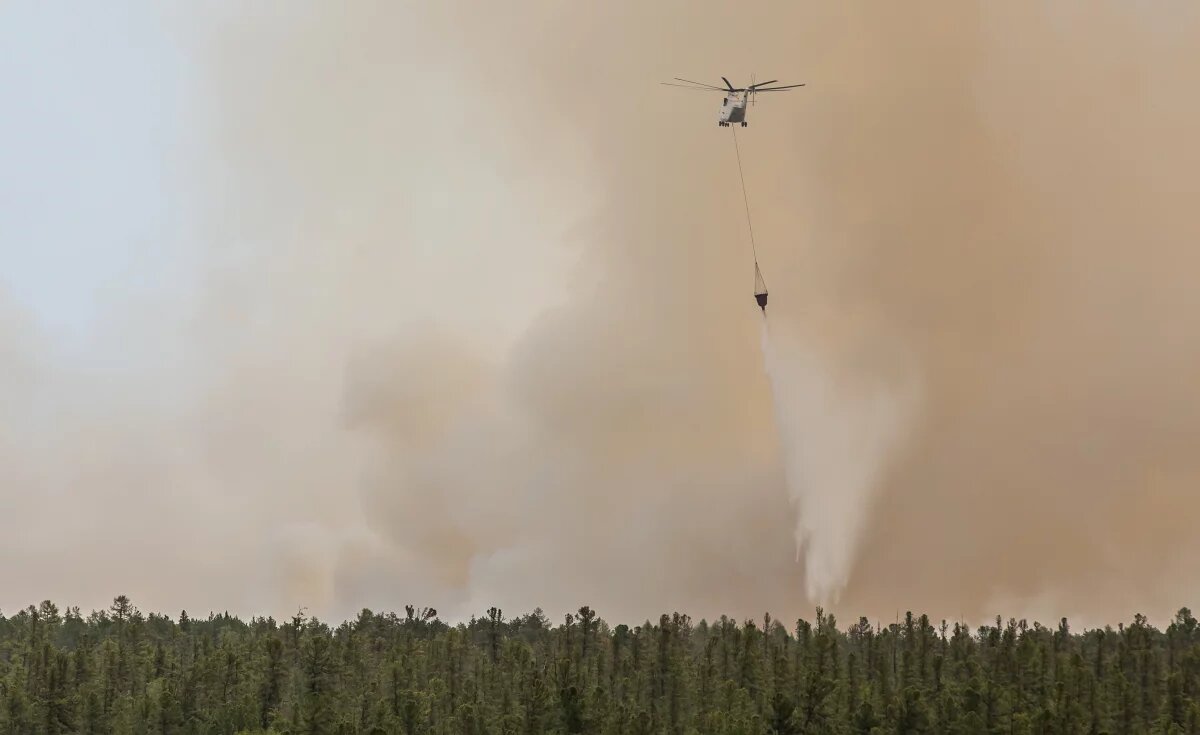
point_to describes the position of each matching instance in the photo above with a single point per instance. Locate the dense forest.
(121, 671)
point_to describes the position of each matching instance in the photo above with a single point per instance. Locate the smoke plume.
(468, 319)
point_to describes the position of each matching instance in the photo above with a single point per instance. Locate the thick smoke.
(472, 319)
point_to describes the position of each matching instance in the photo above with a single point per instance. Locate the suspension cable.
(746, 201)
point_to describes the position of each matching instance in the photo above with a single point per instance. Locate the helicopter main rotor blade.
(699, 84)
(779, 89)
(694, 89)
(727, 84)
(755, 86)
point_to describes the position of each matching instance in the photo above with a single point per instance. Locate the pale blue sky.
(91, 114)
(107, 119)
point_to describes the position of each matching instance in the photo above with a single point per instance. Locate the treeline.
(122, 672)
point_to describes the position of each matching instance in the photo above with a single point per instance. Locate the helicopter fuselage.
(733, 109)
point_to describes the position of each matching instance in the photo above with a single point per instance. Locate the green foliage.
(119, 672)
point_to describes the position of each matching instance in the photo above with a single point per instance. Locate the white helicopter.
(733, 107)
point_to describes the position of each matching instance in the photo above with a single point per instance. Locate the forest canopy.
(122, 671)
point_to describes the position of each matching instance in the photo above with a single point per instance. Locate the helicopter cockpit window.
(724, 102)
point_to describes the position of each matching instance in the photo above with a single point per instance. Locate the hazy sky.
(363, 304)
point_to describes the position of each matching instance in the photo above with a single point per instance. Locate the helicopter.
(733, 107)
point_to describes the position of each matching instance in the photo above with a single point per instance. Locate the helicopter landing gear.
(744, 124)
